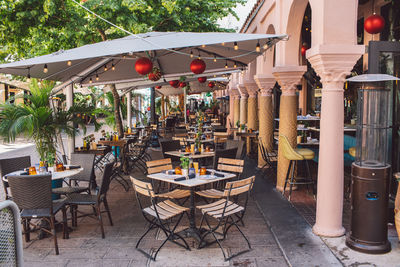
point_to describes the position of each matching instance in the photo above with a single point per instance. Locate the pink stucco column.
(243, 103)
(287, 77)
(252, 116)
(332, 64)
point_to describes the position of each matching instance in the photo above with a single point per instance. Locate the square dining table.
(192, 184)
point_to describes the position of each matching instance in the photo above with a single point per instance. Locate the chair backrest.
(105, 181)
(11, 165)
(230, 165)
(160, 165)
(288, 152)
(239, 187)
(224, 153)
(231, 143)
(171, 145)
(142, 188)
(31, 191)
(86, 161)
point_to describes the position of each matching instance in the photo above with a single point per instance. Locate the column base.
(328, 232)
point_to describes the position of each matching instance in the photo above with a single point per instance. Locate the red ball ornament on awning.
(174, 83)
(143, 66)
(303, 49)
(211, 84)
(374, 24)
(198, 66)
(148, 108)
(202, 79)
(158, 87)
(182, 84)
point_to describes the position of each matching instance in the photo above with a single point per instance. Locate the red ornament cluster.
(374, 24)
(304, 49)
(154, 75)
(182, 84)
(202, 79)
(143, 66)
(198, 66)
(211, 84)
(174, 83)
(158, 87)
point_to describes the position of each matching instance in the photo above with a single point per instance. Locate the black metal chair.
(32, 194)
(159, 215)
(11, 165)
(227, 213)
(86, 161)
(268, 157)
(240, 144)
(74, 200)
(170, 145)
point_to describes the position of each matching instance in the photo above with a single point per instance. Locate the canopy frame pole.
(70, 102)
(129, 109)
(184, 103)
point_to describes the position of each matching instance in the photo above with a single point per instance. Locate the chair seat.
(69, 190)
(306, 153)
(210, 193)
(33, 213)
(166, 209)
(177, 193)
(81, 199)
(216, 209)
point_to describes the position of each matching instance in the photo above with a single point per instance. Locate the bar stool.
(294, 155)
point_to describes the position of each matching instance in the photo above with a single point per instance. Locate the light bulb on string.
(235, 46)
(223, 43)
(226, 65)
(215, 58)
(105, 68)
(29, 73)
(191, 53)
(112, 66)
(258, 47)
(199, 57)
(45, 69)
(90, 80)
(235, 65)
(203, 45)
(69, 63)
(97, 77)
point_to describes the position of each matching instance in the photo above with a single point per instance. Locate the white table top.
(54, 175)
(192, 140)
(198, 180)
(188, 154)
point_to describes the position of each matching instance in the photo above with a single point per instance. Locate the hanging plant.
(202, 79)
(155, 74)
(143, 66)
(198, 66)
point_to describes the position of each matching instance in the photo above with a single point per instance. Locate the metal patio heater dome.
(370, 171)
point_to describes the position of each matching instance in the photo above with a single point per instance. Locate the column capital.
(242, 90)
(288, 77)
(334, 63)
(265, 83)
(252, 89)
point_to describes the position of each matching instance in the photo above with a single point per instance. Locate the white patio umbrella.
(169, 51)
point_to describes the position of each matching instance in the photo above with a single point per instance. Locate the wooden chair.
(160, 165)
(159, 215)
(227, 213)
(227, 165)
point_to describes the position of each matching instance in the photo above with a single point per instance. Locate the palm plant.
(37, 120)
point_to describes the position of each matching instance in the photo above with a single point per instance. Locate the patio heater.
(370, 171)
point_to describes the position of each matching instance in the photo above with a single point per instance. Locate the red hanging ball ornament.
(202, 79)
(211, 84)
(304, 49)
(143, 66)
(158, 87)
(182, 84)
(374, 24)
(174, 83)
(148, 108)
(155, 74)
(198, 66)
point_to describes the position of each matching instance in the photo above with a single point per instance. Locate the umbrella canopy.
(169, 51)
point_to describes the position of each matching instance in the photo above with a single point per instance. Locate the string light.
(90, 80)
(235, 46)
(45, 69)
(226, 65)
(191, 54)
(97, 77)
(124, 56)
(105, 68)
(215, 58)
(235, 65)
(258, 47)
(199, 57)
(203, 45)
(69, 63)
(112, 66)
(223, 43)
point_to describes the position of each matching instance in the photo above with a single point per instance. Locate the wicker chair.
(227, 213)
(75, 199)
(86, 161)
(159, 215)
(11, 165)
(32, 194)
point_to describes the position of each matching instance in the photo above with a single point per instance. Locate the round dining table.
(54, 175)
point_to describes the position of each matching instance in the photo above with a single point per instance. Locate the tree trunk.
(117, 114)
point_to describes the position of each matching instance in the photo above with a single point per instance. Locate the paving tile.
(60, 263)
(78, 253)
(98, 263)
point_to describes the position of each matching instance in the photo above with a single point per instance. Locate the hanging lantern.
(143, 66)
(198, 66)
(374, 24)
(182, 84)
(158, 87)
(211, 84)
(174, 83)
(202, 79)
(304, 49)
(155, 74)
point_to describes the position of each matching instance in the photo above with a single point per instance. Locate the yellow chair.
(294, 155)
